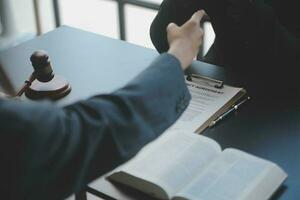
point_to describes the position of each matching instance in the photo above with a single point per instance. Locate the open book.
(207, 104)
(190, 166)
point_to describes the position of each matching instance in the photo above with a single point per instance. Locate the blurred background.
(121, 19)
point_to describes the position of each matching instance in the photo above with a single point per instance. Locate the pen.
(234, 108)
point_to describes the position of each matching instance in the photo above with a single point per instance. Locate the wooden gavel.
(38, 84)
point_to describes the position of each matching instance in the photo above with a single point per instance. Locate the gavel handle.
(26, 85)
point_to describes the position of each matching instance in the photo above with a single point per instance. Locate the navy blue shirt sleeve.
(48, 152)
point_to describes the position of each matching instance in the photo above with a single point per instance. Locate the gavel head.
(42, 66)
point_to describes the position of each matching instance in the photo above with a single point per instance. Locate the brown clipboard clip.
(209, 81)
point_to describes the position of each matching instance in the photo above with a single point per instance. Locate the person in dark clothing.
(258, 41)
(48, 152)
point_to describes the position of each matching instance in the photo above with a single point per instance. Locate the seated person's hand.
(184, 41)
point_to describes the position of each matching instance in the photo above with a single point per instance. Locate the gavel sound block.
(43, 83)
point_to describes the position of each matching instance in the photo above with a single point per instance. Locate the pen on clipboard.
(228, 112)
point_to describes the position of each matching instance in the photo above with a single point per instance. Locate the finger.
(172, 27)
(197, 16)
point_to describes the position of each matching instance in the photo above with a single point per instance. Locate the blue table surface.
(96, 64)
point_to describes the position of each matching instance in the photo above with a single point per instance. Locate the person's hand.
(184, 41)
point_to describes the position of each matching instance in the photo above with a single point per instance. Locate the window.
(125, 19)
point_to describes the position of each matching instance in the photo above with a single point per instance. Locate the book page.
(172, 161)
(206, 102)
(235, 175)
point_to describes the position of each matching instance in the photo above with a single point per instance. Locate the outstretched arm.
(49, 152)
(61, 150)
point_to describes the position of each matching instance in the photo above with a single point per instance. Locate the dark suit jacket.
(49, 152)
(259, 40)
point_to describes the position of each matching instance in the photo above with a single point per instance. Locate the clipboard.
(204, 79)
(219, 86)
